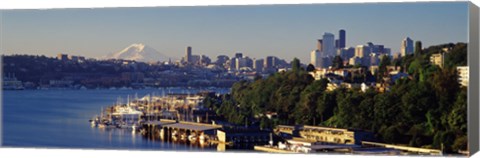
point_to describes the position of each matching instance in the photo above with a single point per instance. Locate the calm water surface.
(59, 119)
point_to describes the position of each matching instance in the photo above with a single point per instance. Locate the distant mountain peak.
(138, 52)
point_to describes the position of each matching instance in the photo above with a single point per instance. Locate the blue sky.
(285, 31)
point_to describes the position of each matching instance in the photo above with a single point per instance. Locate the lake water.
(59, 119)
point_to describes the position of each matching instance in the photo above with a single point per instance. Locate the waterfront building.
(326, 134)
(60, 83)
(437, 59)
(406, 47)
(11, 83)
(463, 75)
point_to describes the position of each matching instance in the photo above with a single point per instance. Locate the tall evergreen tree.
(418, 48)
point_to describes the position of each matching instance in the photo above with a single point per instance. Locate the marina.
(61, 121)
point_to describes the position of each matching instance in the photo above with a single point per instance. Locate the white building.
(463, 75)
(315, 58)
(437, 59)
(362, 51)
(355, 60)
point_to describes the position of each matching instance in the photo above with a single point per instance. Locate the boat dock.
(174, 130)
(404, 148)
(272, 149)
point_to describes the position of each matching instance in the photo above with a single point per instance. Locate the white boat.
(183, 137)
(192, 137)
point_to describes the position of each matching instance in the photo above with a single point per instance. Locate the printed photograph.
(352, 78)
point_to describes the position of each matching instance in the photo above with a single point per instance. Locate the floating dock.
(272, 149)
(405, 148)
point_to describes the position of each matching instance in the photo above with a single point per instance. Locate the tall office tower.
(270, 62)
(346, 53)
(336, 44)
(387, 51)
(407, 47)
(328, 45)
(362, 51)
(232, 64)
(319, 45)
(221, 60)
(315, 58)
(188, 55)
(63, 57)
(380, 49)
(238, 55)
(240, 63)
(258, 65)
(342, 39)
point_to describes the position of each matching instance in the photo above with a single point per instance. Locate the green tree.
(418, 48)
(295, 64)
(310, 68)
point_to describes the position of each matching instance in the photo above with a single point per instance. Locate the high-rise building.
(238, 55)
(221, 60)
(195, 59)
(328, 45)
(270, 62)
(240, 62)
(387, 51)
(188, 55)
(407, 47)
(63, 57)
(346, 53)
(315, 58)
(205, 60)
(319, 45)
(258, 65)
(362, 51)
(342, 39)
(232, 64)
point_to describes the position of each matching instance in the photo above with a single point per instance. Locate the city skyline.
(285, 31)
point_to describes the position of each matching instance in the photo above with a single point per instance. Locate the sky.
(285, 31)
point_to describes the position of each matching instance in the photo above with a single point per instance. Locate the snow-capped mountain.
(138, 52)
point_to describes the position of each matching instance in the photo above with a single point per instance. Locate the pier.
(180, 130)
(404, 148)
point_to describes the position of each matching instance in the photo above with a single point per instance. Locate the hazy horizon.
(285, 31)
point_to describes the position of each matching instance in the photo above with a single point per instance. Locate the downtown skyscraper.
(328, 45)
(406, 47)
